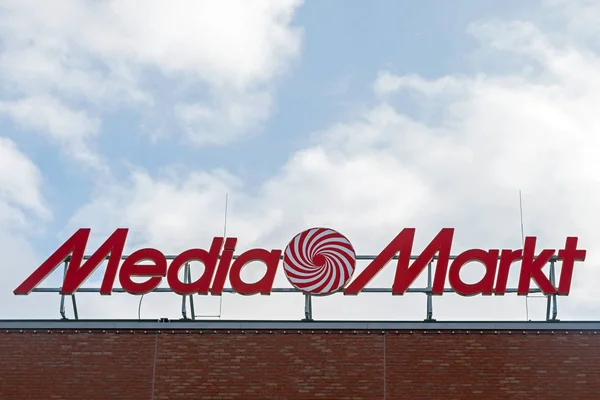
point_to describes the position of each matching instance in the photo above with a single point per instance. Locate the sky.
(363, 117)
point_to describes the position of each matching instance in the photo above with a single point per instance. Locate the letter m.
(77, 270)
(406, 273)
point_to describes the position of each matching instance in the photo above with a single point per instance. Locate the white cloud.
(389, 83)
(20, 187)
(69, 128)
(228, 43)
(207, 125)
(22, 210)
(112, 53)
(579, 16)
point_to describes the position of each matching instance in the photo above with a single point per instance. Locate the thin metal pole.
(429, 295)
(553, 281)
(523, 244)
(307, 308)
(74, 306)
(549, 299)
(189, 274)
(224, 238)
(510, 290)
(225, 223)
(521, 213)
(359, 257)
(62, 296)
(220, 306)
(140, 306)
(183, 305)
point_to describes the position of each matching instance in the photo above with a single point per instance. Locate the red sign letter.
(406, 275)
(569, 255)
(208, 258)
(531, 268)
(486, 284)
(131, 268)
(223, 268)
(265, 284)
(76, 272)
(507, 258)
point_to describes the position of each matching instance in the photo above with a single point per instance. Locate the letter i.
(223, 267)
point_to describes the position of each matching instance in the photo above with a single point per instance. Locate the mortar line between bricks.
(384, 366)
(154, 365)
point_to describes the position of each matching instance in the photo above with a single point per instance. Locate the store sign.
(317, 261)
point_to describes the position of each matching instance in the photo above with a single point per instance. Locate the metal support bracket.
(551, 302)
(187, 278)
(429, 316)
(63, 314)
(307, 308)
(551, 308)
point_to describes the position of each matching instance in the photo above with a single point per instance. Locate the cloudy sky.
(365, 117)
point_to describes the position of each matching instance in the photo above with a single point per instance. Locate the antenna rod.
(225, 224)
(224, 237)
(521, 210)
(523, 244)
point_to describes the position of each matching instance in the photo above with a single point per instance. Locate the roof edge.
(294, 325)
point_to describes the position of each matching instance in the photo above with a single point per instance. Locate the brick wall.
(291, 365)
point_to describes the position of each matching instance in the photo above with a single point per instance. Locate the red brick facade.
(331, 365)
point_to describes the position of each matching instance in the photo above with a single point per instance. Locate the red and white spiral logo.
(319, 261)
